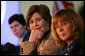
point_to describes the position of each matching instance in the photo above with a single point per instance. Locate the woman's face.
(38, 23)
(64, 30)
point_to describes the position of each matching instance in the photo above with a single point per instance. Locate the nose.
(14, 29)
(60, 28)
(35, 24)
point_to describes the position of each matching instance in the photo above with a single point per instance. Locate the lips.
(37, 28)
(62, 34)
(16, 33)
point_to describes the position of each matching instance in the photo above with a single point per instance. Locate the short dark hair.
(19, 18)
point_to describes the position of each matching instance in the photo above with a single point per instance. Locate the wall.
(78, 5)
(26, 4)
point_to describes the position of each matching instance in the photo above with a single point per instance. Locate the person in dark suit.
(18, 27)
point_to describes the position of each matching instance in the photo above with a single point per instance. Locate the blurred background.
(8, 8)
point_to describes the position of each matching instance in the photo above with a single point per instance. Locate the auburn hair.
(43, 10)
(68, 15)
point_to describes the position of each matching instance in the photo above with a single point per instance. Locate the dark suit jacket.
(26, 37)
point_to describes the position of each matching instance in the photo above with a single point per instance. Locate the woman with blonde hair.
(65, 29)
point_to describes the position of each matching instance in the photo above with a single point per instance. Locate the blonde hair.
(69, 15)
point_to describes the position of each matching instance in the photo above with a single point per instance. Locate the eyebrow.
(36, 18)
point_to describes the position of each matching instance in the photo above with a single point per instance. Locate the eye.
(11, 27)
(64, 23)
(16, 25)
(56, 26)
(38, 19)
(30, 22)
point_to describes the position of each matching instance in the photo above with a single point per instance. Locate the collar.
(69, 48)
(23, 36)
